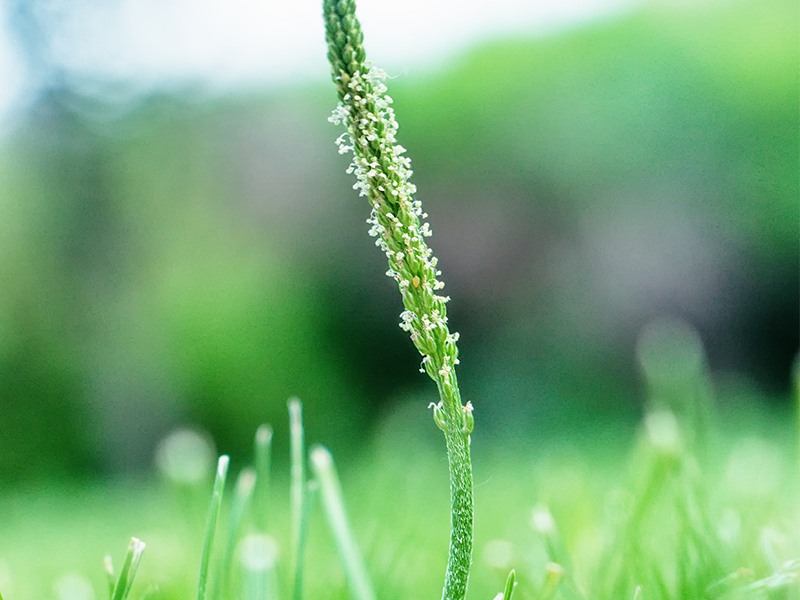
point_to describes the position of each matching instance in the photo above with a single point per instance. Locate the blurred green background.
(186, 258)
(190, 259)
(200, 262)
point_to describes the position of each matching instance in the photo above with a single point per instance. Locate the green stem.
(383, 175)
(455, 421)
(297, 489)
(461, 516)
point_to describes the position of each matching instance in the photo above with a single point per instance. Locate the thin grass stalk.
(308, 501)
(509, 589)
(332, 500)
(383, 175)
(559, 572)
(255, 584)
(263, 460)
(259, 557)
(128, 572)
(110, 579)
(208, 544)
(242, 493)
(296, 489)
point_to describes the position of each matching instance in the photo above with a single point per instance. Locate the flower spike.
(383, 175)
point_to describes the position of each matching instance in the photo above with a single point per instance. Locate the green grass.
(396, 501)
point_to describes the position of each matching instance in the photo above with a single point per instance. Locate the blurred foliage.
(200, 261)
(133, 280)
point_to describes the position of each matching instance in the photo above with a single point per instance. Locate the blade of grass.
(259, 557)
(242, 493)
(128, 571)
(509, 585)
(308, 502)
(560, 569)
(263, 459)
(356, 572)
(297, 485)
(112, 581)
(208, 544)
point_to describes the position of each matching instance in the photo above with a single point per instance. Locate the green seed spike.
(383, 176)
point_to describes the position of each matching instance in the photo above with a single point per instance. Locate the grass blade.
(112, 581)
(128, 572)
(509, 585)
(263, 460)
(242, 493)
(297, 487)
(208, 544)
(356, 572)
(259, 556)
(308, 502)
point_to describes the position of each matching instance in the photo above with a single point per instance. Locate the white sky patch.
(222, 45)
(12, 73)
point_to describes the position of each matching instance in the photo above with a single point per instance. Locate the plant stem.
(296, 492)
(459, 559)
(383, 175)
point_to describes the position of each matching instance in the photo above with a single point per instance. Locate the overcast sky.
(145, 45)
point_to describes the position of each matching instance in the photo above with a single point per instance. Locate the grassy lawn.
(55, 535)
